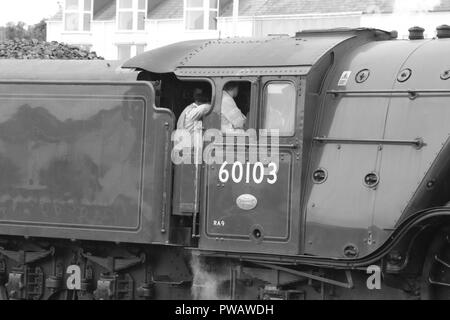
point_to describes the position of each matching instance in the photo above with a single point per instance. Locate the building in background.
(119, 29)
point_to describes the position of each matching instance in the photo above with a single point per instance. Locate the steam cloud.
(406, 7)
(206, 282)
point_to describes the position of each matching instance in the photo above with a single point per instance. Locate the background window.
(78, 15)
(141, 21)
(71, 4)
(87, 5)
(131, 14)
(279, 109)
(125, 20)
(72, 21)
(195, 20)
(126, 51)
(125, 4)
(123, 51)
(195, 3)
(201, 14)
(87, 22)
(140, 48)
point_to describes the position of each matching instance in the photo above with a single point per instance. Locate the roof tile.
(173, 9)
(107, 12)
(168, 9)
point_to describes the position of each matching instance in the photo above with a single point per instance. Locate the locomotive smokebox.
(416, 33)
(443, 31)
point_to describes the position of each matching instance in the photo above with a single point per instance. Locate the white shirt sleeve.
(232, 113)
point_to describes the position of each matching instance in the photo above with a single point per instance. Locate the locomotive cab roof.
(222, 57)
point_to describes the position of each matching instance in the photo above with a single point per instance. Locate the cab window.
(279, 108)
(235, 106)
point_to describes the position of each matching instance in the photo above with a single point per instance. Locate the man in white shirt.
(189, 122)
(193, 113)
(232, 117)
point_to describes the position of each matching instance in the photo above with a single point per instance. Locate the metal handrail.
(413, 93)
(257, 145)
(198, 147)
(418, 142)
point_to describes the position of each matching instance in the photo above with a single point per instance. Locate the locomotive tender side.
(81, 158)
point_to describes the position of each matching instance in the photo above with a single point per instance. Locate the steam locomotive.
(93, 207)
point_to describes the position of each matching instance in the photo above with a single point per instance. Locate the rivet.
(445, 75)
(404, 75)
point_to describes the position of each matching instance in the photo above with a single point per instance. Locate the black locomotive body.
(92, 205)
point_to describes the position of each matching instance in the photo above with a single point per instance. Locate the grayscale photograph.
(224, 155)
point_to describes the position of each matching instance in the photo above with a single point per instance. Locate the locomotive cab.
(247, 196)
(251, 201)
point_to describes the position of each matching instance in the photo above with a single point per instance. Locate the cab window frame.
(208, 81)
(264, 100)
(252, 107)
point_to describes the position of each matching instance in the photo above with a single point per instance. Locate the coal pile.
(35, 49)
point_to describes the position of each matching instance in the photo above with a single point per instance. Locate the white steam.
(405, 7)
(207, 282)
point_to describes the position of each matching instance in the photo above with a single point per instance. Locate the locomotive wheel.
(436, 269)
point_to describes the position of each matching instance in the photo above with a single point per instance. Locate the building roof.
(168, 9)
(285, 7)
(173, 9)
(281, 7)
(107, 12)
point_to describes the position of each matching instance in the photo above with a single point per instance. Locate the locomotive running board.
(348, 285)
(338, 263)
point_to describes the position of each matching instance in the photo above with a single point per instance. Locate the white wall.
(165, 32)
(104, 36)
(54, 30)
(244, 27)
(289, 24)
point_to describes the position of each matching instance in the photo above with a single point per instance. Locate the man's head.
(200, 96)
(232, 88)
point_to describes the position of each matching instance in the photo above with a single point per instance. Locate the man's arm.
(233, 114)
(198, 113)
(236, 118)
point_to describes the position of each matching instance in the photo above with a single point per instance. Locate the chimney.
(443, 31)
(416, 33)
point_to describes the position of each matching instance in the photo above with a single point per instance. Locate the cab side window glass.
(279, 108)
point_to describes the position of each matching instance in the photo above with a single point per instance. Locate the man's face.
(197, 94)
(235, 92)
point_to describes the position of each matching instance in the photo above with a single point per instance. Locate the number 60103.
(240, 172)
